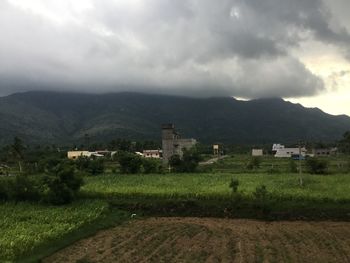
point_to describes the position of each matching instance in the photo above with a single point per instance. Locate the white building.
(76, 154)
(152, 153)
(288, 152)
(277, 146)
(257, 152)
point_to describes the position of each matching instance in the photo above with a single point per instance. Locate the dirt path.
(213, 160)
(213, 240)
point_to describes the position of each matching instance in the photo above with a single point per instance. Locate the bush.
(317, 166)
(260, 192)
(24, 188)
(151, 166)
(96, 167)
(48, 165)
(4, 189)
(175, 163)
(348, 166)
(90, 166)
(261, 203)
(234, 185)
(273, 170)
(292, 166)
(62, 186)
(20, 188)
(129, 163)
(254, 163)
(187, 164)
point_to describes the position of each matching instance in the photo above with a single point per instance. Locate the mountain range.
(53, 117)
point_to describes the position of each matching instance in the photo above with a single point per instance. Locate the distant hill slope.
(49, 117)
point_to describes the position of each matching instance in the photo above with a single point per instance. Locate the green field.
(208, 186)
(26, 226)
(270, 164)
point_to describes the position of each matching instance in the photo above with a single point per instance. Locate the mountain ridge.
(61, 117)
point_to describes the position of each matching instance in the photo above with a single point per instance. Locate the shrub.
(129, 163)
(48, 165)
(348, 165)
(187, 164)
(190, 159)
(175, 163)
(261, 203)
(234, 185)
(96, 167)
(273, 170)
(260, 192)
(150, 166)
(24, 188)
(90, 166)
(317, 166)
(254, 163)
(292, 166)
(4, 189)
(62, 186)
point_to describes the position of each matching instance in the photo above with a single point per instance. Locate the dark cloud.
(194, 47)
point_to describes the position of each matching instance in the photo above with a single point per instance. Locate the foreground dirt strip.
(213, 240)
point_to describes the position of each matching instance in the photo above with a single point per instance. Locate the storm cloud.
(241, 48)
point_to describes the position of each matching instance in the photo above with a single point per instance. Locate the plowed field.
(213, 240)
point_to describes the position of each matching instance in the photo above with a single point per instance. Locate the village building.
(324, 152)
(152, 154)
(172, 143)
(276, 147)
(257, 152)
(73, 155)
(216, 149)
(289, 152)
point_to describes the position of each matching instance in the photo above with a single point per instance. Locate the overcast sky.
(295, 49)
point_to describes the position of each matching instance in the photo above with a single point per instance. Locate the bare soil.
(213, 240)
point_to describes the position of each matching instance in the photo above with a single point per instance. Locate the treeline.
(58, 185)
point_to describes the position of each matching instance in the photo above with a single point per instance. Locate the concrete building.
(288, 152)
(152, 154)
(216, 149)
(76, 154)
(324, 152)
(257, 152)
(172, 143)
(276, 147)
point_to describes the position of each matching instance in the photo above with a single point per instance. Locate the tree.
(234, 185)
(62, 186)
(292, 166)
(129, 163)
(16, 150)
(150, 165)
(188, 163)
(93, 167)
(254, 163)
(344, 144)
(317, 166)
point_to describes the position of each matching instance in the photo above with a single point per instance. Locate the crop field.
(269, 164)
(213, 240)
(216, 186)
(26, 226)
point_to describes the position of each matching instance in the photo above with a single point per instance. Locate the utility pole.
(300, 172)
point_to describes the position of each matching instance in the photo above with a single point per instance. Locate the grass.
(216, 186)
(31, 230)
(238, 164)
